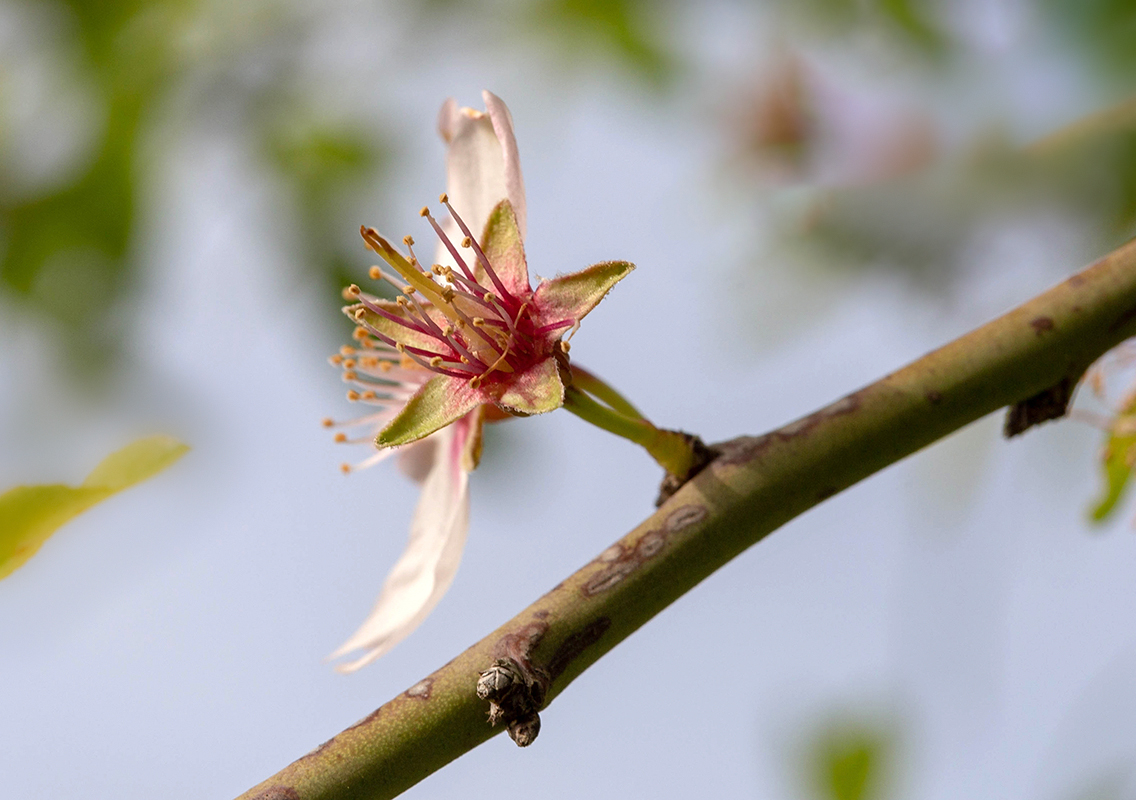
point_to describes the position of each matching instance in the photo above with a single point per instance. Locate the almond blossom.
(467, 341)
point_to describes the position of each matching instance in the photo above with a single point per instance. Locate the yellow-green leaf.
(1119, 456)
(30, 514)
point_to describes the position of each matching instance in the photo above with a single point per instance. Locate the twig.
(754, 487)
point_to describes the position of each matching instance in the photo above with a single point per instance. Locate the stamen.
(480, 255)
(564, 323)
(564, 346)
(341, 437)
(335, 360)
(349, 363)
(449, 245)
(347, 350)
(327, 422)
(353, 395)
(345, 468)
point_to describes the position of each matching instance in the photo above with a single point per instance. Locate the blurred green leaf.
(623, 29)
(1104, 29)
(29, 515)
(66, 251)
(908, 21)
(1118, 459)
(851, 761)
(327, 165)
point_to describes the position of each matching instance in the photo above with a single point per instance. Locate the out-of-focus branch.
(754, 487)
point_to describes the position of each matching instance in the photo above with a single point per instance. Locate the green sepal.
(537, 390)
(571, 297)
(505, 250)
(440, 401)
(29, 515)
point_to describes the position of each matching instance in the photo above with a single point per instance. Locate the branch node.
(1049, 403)
(515, 694)
(703, 455)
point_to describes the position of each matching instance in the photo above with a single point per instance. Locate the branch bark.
(754, 487)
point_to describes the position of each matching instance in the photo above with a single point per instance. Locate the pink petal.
(514, 181)
(475, 176)
(428, 565)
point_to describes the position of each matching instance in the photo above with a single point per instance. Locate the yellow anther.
(565, 346)
(475, 381)
(400, 347)
(345, 468)
(402, 301)
(437, 269)
(336, 360)
(467, 242)
(375, 273)
(341, 437)
(359, 333)
(443, 198)
(448, 331)
(408, 290)
(408, 240)
(425, 212)
(464, 360)
(436, 361)
(385, 366)
(349, 363)
(478, 322)
(360, 314)
(347, 350)
(488, 297)
(352, 395)
(448, 294)
(369, 395)
(352, 291)
(327, 422)
(369, 362)
(349, 376)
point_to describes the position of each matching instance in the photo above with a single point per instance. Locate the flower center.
(460, 322)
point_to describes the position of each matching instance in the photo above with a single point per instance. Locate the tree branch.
(754, 487)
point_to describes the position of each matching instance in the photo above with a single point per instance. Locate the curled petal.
(514, 182)
(430, 561)
(482, 166)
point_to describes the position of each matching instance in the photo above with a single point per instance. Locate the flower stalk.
(674, 451)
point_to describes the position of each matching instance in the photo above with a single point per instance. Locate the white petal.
(417, 459)
(427, 567)
(475, 175)
(448, 120)
(503, 128)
